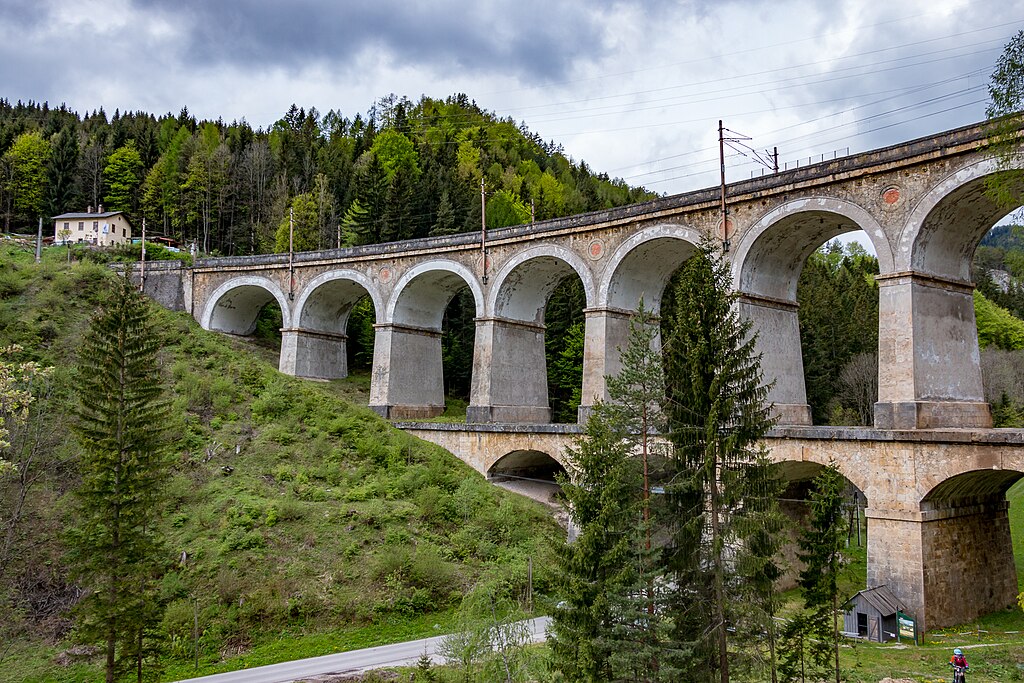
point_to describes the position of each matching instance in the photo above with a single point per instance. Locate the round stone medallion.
(726, 230)
(891, 196)
(385, 274)
(595, 250)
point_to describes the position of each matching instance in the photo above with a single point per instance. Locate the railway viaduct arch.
(932, 468)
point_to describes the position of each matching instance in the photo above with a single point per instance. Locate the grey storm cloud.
(531, 38)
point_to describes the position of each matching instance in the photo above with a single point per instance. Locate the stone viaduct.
(933, 471)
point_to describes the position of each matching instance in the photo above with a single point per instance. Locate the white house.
(102, 228)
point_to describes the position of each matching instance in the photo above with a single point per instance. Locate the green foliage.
(996, 326)
(403, 170)
(563, 348)
(123, 176)
(610, 626)
(284, 506)
(838, 321)
(26, 184)
(505, 208)
(490, 643)
(812, 636)
(61, 170)
(304, 220)
(1006, 100)
(115, 544)
(716, 414)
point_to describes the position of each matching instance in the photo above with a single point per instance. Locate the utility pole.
(142, 263)
(724, 211)
(39, 241)
(483, 232)
(737, 143)
(291, 254)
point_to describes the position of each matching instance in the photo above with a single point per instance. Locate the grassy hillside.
(291, 512)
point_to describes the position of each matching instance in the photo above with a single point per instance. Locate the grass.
(300, 521)
(1015, 496)
(305, 525)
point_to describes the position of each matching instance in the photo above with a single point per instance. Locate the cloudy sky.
(634, 88)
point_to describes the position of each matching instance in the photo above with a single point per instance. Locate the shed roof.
(882, 599)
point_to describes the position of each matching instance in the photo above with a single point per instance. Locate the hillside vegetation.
(290, 511)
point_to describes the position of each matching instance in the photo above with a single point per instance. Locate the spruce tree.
(717, 413)
(115, 546)
(761, 527)
(821, 550)
(610, 627)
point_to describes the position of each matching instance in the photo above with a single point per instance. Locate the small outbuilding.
(872, 614)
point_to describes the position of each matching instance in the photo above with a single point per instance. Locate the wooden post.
(142, 263)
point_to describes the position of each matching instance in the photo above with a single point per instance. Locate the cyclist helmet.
(958, 651)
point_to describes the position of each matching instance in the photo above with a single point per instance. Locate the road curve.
(354, 661)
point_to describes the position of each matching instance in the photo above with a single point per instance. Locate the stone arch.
(766, 267)
(929, 356)
(527, 463)
(642, 265)
(326, 301)
(805, 470)
(965, 536)
(423, 304)
(948, 223)
(525, 281)
(234, 305)
(769, 256)
(970, 487)
(408, 367)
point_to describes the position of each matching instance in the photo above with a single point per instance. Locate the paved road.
(355, 661)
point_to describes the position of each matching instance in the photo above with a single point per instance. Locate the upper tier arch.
(523, 284)
(233, 306)
(326, 301)
(642, 265)
(949, 221)
(424, 291)
(769, 256)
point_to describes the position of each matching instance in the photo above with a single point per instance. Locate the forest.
(401, 170)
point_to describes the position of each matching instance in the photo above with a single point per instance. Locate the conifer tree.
(609, 627)
(816, 631)
(717, 412)
(761, 526)
(115, 548)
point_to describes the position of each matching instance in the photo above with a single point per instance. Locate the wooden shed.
(872, 615)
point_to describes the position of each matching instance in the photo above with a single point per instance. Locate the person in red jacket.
(958, 659)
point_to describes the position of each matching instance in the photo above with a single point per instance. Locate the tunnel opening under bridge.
(531, 473)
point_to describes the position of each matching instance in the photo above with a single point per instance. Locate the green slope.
(291, 512)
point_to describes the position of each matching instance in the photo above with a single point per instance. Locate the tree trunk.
(723, 646)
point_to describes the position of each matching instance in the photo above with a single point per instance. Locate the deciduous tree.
(122, 176)
(28, 158)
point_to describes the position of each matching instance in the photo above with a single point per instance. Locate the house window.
(81, 226)
(66, 226)
(862, 624)
(96, 226)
